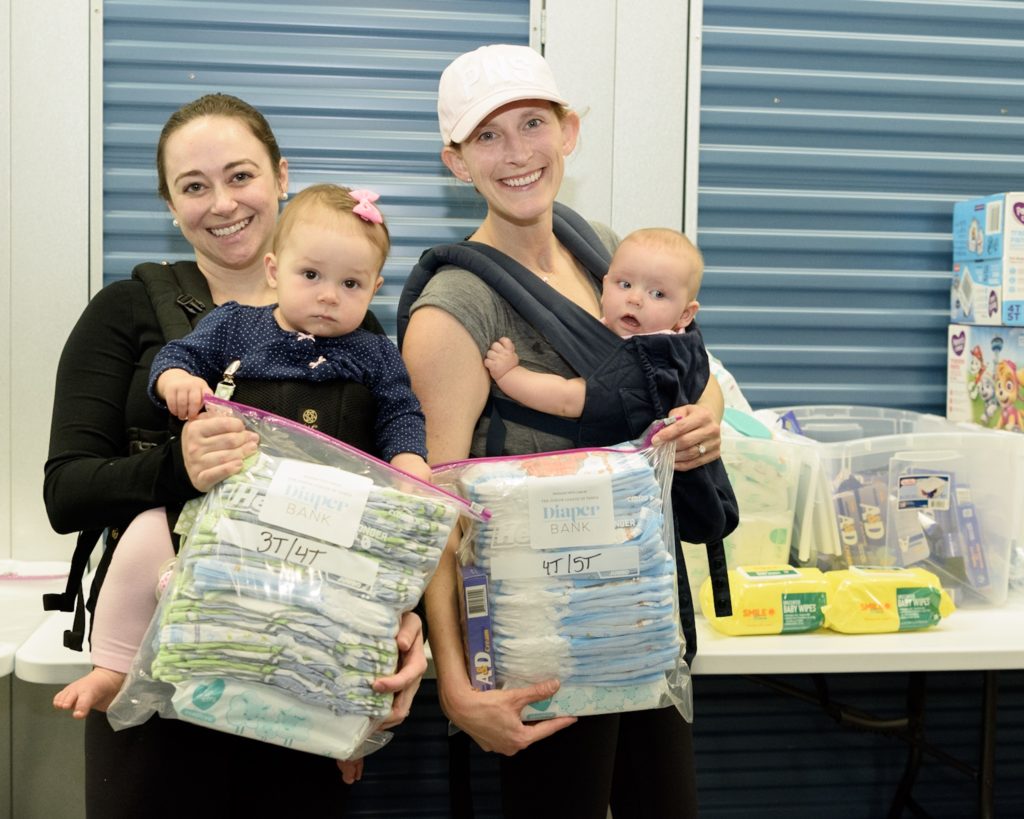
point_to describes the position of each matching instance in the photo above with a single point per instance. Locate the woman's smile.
(230, 230)
(522, 181)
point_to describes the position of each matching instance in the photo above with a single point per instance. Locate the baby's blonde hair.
(676, 242)
(335, 199)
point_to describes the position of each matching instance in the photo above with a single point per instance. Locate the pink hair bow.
(365, 209)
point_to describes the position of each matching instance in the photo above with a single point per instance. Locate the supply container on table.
(898, 488)
(771, 479)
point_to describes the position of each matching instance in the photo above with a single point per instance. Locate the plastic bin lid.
(746, 424)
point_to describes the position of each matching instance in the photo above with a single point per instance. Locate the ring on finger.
(701, 449)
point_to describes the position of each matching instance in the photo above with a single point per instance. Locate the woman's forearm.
(713, 399)
(445, 630)
(85, 491)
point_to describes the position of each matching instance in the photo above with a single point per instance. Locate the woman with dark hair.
(113, 457)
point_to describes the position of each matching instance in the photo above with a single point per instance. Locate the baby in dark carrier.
(651, 287)
(640, 361)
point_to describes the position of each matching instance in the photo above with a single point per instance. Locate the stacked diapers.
(581, 575)
(286, 598)
(314, 635)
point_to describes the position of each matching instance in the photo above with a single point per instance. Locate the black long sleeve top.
(91, 480)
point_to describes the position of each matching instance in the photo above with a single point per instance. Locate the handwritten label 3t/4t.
(350, 567)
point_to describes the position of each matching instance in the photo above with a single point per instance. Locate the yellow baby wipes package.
(875, 599)
(769, 600)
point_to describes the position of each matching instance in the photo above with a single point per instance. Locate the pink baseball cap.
(478, 82)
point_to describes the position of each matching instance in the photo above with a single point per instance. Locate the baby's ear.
(689, 314)
(378, 283)
(270, 265)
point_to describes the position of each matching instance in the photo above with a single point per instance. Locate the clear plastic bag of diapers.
(573, 577)
(286, 596)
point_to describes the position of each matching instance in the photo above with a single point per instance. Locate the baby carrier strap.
(584, 343)
(73, 598)
(180, 297)
(179, 294)
(566, 326)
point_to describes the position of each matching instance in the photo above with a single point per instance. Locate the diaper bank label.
(571, 510)
(572, 532)
(316, 500)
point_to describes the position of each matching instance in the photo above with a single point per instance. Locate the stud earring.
(175, 222)
(284, 196)
(469, 180)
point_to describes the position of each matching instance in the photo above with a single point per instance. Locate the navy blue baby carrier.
(630, 383)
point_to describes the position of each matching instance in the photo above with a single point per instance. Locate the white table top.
(22, 585)
(42, 657)
(969, 639)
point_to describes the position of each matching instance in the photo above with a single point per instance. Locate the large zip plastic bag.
(579, 559)
(286, 596)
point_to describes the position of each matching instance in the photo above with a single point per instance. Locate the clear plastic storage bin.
(898, 488)
(766, 477)
(847, 422)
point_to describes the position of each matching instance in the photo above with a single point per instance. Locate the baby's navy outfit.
(252, 335)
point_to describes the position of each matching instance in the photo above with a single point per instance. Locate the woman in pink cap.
(507, 130)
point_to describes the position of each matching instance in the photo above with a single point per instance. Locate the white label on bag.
(353, 570)
(591, 563)
(316, 500)
(571, 510)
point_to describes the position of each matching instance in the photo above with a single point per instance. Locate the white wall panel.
(49, 176)
(624, 65)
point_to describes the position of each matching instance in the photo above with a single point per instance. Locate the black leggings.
(173, 768)
(639, 762)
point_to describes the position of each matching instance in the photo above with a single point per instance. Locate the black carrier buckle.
(190, 304)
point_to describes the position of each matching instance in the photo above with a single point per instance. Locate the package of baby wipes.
(775, 599)
(287, 593)
(574, 577)
(873, 599)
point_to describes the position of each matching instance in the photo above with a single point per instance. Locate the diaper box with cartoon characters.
(985, 376)
(911, 489)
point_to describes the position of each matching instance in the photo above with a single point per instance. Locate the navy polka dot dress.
(251, 335)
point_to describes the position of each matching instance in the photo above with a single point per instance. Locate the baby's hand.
(501, 358)
(182, 392)
(351, 770)
(413, 464)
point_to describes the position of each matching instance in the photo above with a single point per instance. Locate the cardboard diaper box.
(987, 285)
(976, 292)
(989, 227)
(985, 376)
